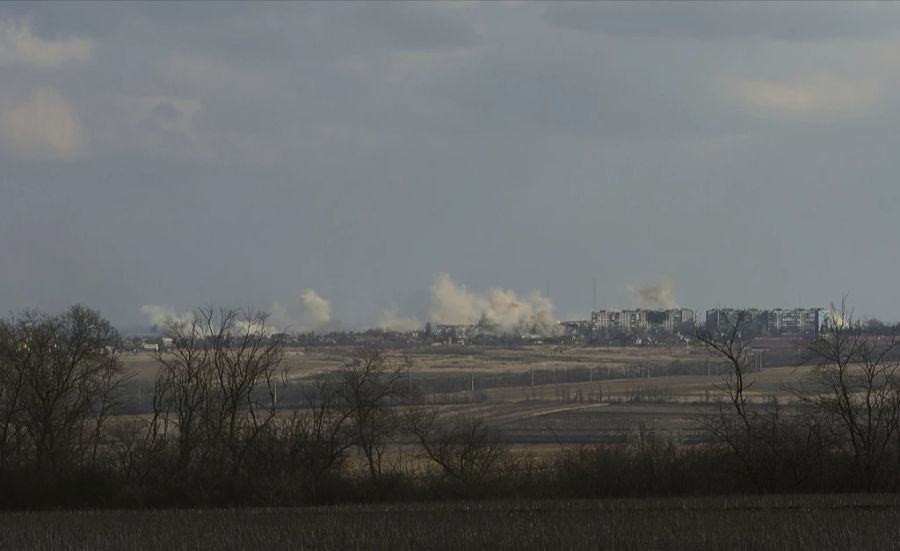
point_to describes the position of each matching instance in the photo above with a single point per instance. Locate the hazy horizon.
(159, 157)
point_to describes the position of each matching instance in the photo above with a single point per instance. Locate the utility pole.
(595, 295)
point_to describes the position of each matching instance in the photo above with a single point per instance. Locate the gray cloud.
(223, 153)
(399, 25)
(789, 21)
(42, 126)
(19, 45)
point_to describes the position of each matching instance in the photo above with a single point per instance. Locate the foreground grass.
(770, 522)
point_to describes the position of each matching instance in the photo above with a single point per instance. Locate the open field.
(483, 360)
(505, 374)
(771, 522)
(579, 395)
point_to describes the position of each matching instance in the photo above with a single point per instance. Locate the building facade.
(631, 321)
(776, 322)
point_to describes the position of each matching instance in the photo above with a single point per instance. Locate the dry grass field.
(579, 395)
(312, 362)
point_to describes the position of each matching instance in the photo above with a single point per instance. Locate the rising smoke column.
(658, 296)
(279, 316)
(453, 304)
(160, 316)
(392, 320)
(318, 308)
(279, 319)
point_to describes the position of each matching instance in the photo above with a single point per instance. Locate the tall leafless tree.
(370, 384)
(59, 377)
(774, 447)
(732, 423)
(465, 448)
(317, 436)
(856, 383)
(217, 385)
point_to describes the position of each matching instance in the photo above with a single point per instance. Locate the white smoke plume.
(160, 316)
(838, 317)
(453, 304)
(391, 320)
(247, 326)
(279, 316)
(658, 296)
(318, 308)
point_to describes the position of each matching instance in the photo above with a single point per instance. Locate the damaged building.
(606, 324)
(775, 322)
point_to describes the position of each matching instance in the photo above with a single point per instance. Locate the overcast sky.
(182, 154)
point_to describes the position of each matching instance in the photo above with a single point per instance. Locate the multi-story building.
(795, 322)
(804, 322)
(576, 327)
(678, 318)
(749, 321)
(631, 321)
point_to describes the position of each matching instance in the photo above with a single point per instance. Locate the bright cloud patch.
(820, 96)
(44, 126)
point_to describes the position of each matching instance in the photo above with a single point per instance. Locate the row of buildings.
(777, 322)
(644, 326)
(672, 320)
(605, 327)
(680, 323)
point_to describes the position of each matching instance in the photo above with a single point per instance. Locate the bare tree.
(732, 423)
(217, 385)
(370, 384)
(777, 445)
(856, 383)
(317, 437)
(773, 447)
(15, 354)
(59, 376)
(730, 344)
(465, 448)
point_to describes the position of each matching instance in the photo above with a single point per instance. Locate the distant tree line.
(218, 436)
